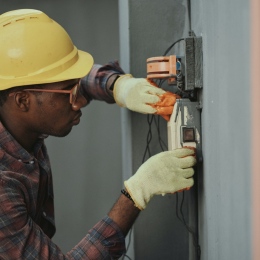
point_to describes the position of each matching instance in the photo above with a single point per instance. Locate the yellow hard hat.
(34, 49)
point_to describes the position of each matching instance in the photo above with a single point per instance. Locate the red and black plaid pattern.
(27, 210)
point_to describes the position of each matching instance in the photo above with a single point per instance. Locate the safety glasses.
(73, 92)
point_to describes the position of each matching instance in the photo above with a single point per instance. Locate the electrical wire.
(129, 240)
(189, 13)
(128, 245)
(179, 208)
(166, 52)
(149, 136)
(150, 119)
(161, 142)
(188, 228)
(190, 30)
(181, 216)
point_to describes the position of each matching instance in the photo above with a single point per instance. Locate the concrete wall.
(224, 197)
(86, 164)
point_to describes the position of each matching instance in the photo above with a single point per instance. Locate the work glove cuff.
(137, 193)
(121, 89)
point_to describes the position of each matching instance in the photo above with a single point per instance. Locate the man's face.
(52, 113)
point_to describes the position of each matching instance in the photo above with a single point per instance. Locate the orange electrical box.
(161, 67)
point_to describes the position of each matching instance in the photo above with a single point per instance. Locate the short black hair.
(4, 94)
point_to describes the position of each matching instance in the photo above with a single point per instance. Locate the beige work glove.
(136, 94)
(166, 172)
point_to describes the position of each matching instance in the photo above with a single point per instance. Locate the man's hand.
(166, 172)
(140, 95)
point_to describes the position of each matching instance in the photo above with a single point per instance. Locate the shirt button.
(44, 214)
(31, 162)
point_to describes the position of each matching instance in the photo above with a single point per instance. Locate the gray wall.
(224, 197)
(86, 164)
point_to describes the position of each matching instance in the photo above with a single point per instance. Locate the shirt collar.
(12, 147)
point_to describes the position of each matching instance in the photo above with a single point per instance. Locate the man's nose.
(80, 102)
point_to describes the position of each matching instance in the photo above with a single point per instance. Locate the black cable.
(157, 123)
(150, 119)
(161, 142)
(188, 228)
(126, 257)
(161, 81)
(149, 137)
(166, 52)
(129, 242)
(177, 207)
(189, 13)
(128, 245)
(189, 17)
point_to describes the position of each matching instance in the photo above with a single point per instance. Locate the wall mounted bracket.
(183, 71)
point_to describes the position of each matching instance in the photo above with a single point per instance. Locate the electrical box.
(184, 126)
(185, 72)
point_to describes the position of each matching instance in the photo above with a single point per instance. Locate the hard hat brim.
(79, 69)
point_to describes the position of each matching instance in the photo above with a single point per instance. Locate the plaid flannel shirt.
(94, 84)
(26, 197)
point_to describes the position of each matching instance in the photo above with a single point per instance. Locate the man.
(43, 86)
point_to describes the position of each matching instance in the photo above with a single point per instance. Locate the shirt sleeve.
(94, 84)
(22, 238)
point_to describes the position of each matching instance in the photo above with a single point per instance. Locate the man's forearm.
(124, 213)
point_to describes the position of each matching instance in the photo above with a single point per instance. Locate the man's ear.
(22, 100)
